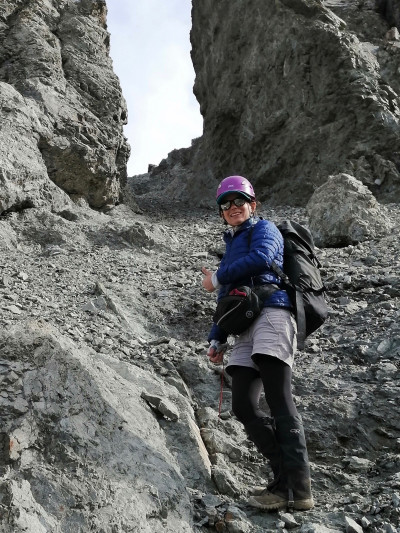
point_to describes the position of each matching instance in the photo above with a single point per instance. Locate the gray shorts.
(272, 333)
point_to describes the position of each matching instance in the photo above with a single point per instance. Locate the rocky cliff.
(61, 106)
(293, 91)
(109, 408)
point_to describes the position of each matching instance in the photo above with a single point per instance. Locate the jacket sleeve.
(218, 334)
(266, 245)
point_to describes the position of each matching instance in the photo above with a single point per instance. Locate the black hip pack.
(237, 311)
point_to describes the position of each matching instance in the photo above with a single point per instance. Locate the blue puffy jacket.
(244, 265)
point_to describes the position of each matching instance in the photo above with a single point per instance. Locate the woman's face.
(236, 215)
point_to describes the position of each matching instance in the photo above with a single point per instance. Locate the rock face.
(61, 107)
(343, 211)
(294, 91)
(109, 407)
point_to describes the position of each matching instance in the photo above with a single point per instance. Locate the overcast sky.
(150, 48)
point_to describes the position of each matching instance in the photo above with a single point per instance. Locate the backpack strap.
(300, 319)
(250, 235)
(297, 299)
(262, 291)
(280, 273)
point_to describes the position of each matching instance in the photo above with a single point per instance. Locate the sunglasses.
(239, 202)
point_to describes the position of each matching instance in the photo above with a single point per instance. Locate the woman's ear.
(221, 214)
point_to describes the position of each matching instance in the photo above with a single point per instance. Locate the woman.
(262, 357)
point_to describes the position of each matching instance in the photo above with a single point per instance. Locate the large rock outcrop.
(293, 91)
(61, 106)
(81, 448)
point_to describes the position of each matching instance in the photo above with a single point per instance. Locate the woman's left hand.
(216, 352)
(207, 280)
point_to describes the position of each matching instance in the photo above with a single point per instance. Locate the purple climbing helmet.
(235, 184)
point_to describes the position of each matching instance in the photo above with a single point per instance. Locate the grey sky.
(150, 48)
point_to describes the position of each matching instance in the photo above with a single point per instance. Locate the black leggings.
(274, 376)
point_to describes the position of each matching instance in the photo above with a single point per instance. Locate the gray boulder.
(343, 211)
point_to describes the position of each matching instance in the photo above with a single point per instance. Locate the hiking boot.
(293, 489)
(268, 501)
(301, 499)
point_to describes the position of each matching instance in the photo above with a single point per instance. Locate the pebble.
(352, 526)
(289, 521)
(13, 309)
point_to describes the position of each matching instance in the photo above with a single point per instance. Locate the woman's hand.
(207, 280)
(216, 352)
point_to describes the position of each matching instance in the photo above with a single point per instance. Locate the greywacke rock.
(343, 211)
(292, 92)
(61, 106)
(290, 95)
(108, 404)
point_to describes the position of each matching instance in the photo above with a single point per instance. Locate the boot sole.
(298, 505)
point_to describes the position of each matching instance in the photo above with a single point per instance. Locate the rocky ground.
(127, 284)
